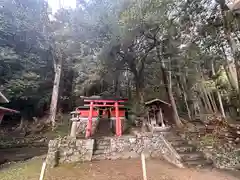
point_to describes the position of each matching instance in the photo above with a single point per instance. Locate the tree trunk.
(184, 95)
(233, 66)
(116, 84)
(173, 103)
(206, 99)
(232, 75)
(234, 51)
(204, 94)
(196, 108)
(164, 72)
(167, 79)
(129, 89)
(55, 92)
(139, 92)
(140, 100)
(212, 102)
(219, 96)
(193, 102)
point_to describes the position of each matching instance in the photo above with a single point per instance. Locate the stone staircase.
(101, 146)
(188, 152)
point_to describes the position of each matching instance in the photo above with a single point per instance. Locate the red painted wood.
(85, 112)
(120, 111)
(89, 124)
(102, 101)
(118, 123)
(3, 109)
(102, 105)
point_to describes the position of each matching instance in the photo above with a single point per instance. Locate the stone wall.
(82, 125)
(223, 157)
(217, 139)
(69, 150)
(152, 145)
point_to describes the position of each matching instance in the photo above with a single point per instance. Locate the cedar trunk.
(55, 93)
(167, 79)
(219, 96)
(173, 103)
(140, 92)
(184, 95)
(233, 47)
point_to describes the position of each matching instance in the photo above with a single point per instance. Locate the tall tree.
(25, 65)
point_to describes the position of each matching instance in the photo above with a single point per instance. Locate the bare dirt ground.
(113, 170)
(131, 170)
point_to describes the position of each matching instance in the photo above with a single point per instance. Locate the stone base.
(158, 128)
(123, 122)
(69, 150)
(82, 125)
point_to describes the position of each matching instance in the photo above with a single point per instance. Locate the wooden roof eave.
(8, 110)
(156, 100)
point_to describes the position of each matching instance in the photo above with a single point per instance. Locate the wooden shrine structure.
(159, 113)
(96, 107)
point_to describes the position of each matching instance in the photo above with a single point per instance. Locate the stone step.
(194, 133)
(98, 157)
(99, 152)
(196, 121)
(102, 142)
(174, 138)
(198, 163)
(194, 156)
(166, 133)
(185, 148)
(101, 147)
(170, 134)
(178, 143)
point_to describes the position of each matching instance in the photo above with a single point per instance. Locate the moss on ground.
(28, 170)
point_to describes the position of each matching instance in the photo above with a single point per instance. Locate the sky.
(65, 3)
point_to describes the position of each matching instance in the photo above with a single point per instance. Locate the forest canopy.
(184, 52)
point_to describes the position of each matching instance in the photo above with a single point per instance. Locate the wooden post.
(144, 166)
(118, 121)
(148, 117)
(43, 170)
(89, 123)
(161, 117)
(154, 116)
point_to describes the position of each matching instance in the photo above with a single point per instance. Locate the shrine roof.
(8, 110)
(104, 98)
(156, 101)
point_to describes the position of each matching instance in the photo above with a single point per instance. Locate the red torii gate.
(104, 103)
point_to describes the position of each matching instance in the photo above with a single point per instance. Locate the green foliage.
(115, 47)
(209, 140)
(25, 62)
(221, 80)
